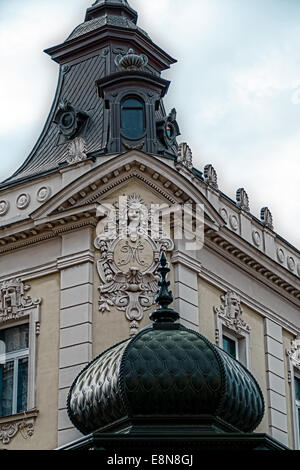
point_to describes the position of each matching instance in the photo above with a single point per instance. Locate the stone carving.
(76, 150)
(129, 259)
(13, 301)
(242, 199)
(43, 194)
(23, 201)
(256, 238)
(210, 176)
(291, 263)
(266, 218)
(131, 61)
(8, 431)
(294, 353)
(230, 312)
(224, 214)
(280, 255)
(234, 223)
(185, 156)
(4, 207)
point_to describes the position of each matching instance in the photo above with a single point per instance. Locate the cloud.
(236, 86)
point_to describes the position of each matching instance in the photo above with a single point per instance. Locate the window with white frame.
(232, 332)
(230, 345)
(14, 358)
(297, 406)
(293, 355)
(19, 326)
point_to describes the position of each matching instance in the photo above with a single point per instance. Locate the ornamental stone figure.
(129, 258)
(294, 352)
(185, 156)
(267, 218)
(231, 312)
(210, 176)
(76, 150)
(242, 199)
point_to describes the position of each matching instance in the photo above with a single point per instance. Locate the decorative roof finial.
(267, 218)
(164, 297)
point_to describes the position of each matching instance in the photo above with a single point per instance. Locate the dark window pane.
(133, 103)
(15, 338)
(229, 345)
(22, 385)
(297, 388)
(133, 120)
(6, 388)
(298, 410)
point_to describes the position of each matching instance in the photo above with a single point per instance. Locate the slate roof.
(47, 154)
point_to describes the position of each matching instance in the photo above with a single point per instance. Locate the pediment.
(158, 177)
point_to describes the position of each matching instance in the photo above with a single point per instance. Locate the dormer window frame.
(141, 100)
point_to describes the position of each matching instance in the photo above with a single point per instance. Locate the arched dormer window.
(133, 118)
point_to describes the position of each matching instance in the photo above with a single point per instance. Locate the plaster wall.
(209, 297)
(45, 427)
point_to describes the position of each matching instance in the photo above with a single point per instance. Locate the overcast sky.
(236, 87)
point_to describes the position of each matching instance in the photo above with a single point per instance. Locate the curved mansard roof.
(77, 85)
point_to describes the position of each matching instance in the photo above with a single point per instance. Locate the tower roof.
(117, 6)
(87, 56)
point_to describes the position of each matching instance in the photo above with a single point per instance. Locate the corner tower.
(109, 98)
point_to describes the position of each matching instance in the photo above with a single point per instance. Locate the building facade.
(106, 189)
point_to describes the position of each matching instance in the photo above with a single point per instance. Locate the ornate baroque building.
(85, 219)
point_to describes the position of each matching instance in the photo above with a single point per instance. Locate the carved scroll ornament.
(9, 430)
(294, 353)
(13, 301)
(128, 262)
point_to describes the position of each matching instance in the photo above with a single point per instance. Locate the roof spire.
(120, 7)
(164, 296)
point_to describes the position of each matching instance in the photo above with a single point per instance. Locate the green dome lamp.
(166, 389)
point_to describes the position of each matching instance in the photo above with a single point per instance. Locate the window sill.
(11, 425)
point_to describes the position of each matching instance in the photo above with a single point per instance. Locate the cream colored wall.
(209, 297)
(45, 427)
(112, 327)
(287, 339)
(257, 358)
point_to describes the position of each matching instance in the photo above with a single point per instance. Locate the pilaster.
(277, 408)
(186, 289)
(76, 300)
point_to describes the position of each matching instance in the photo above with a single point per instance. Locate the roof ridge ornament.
(242, 199)
(164, 296)
(210, 176)
(131, 61)
(267, 218)
(185, 156)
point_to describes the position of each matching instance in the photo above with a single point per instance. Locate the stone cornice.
(258, 265)
(46, 231)
(75, 259)
(214, 279)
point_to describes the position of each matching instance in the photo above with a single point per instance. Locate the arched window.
(132, 118)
